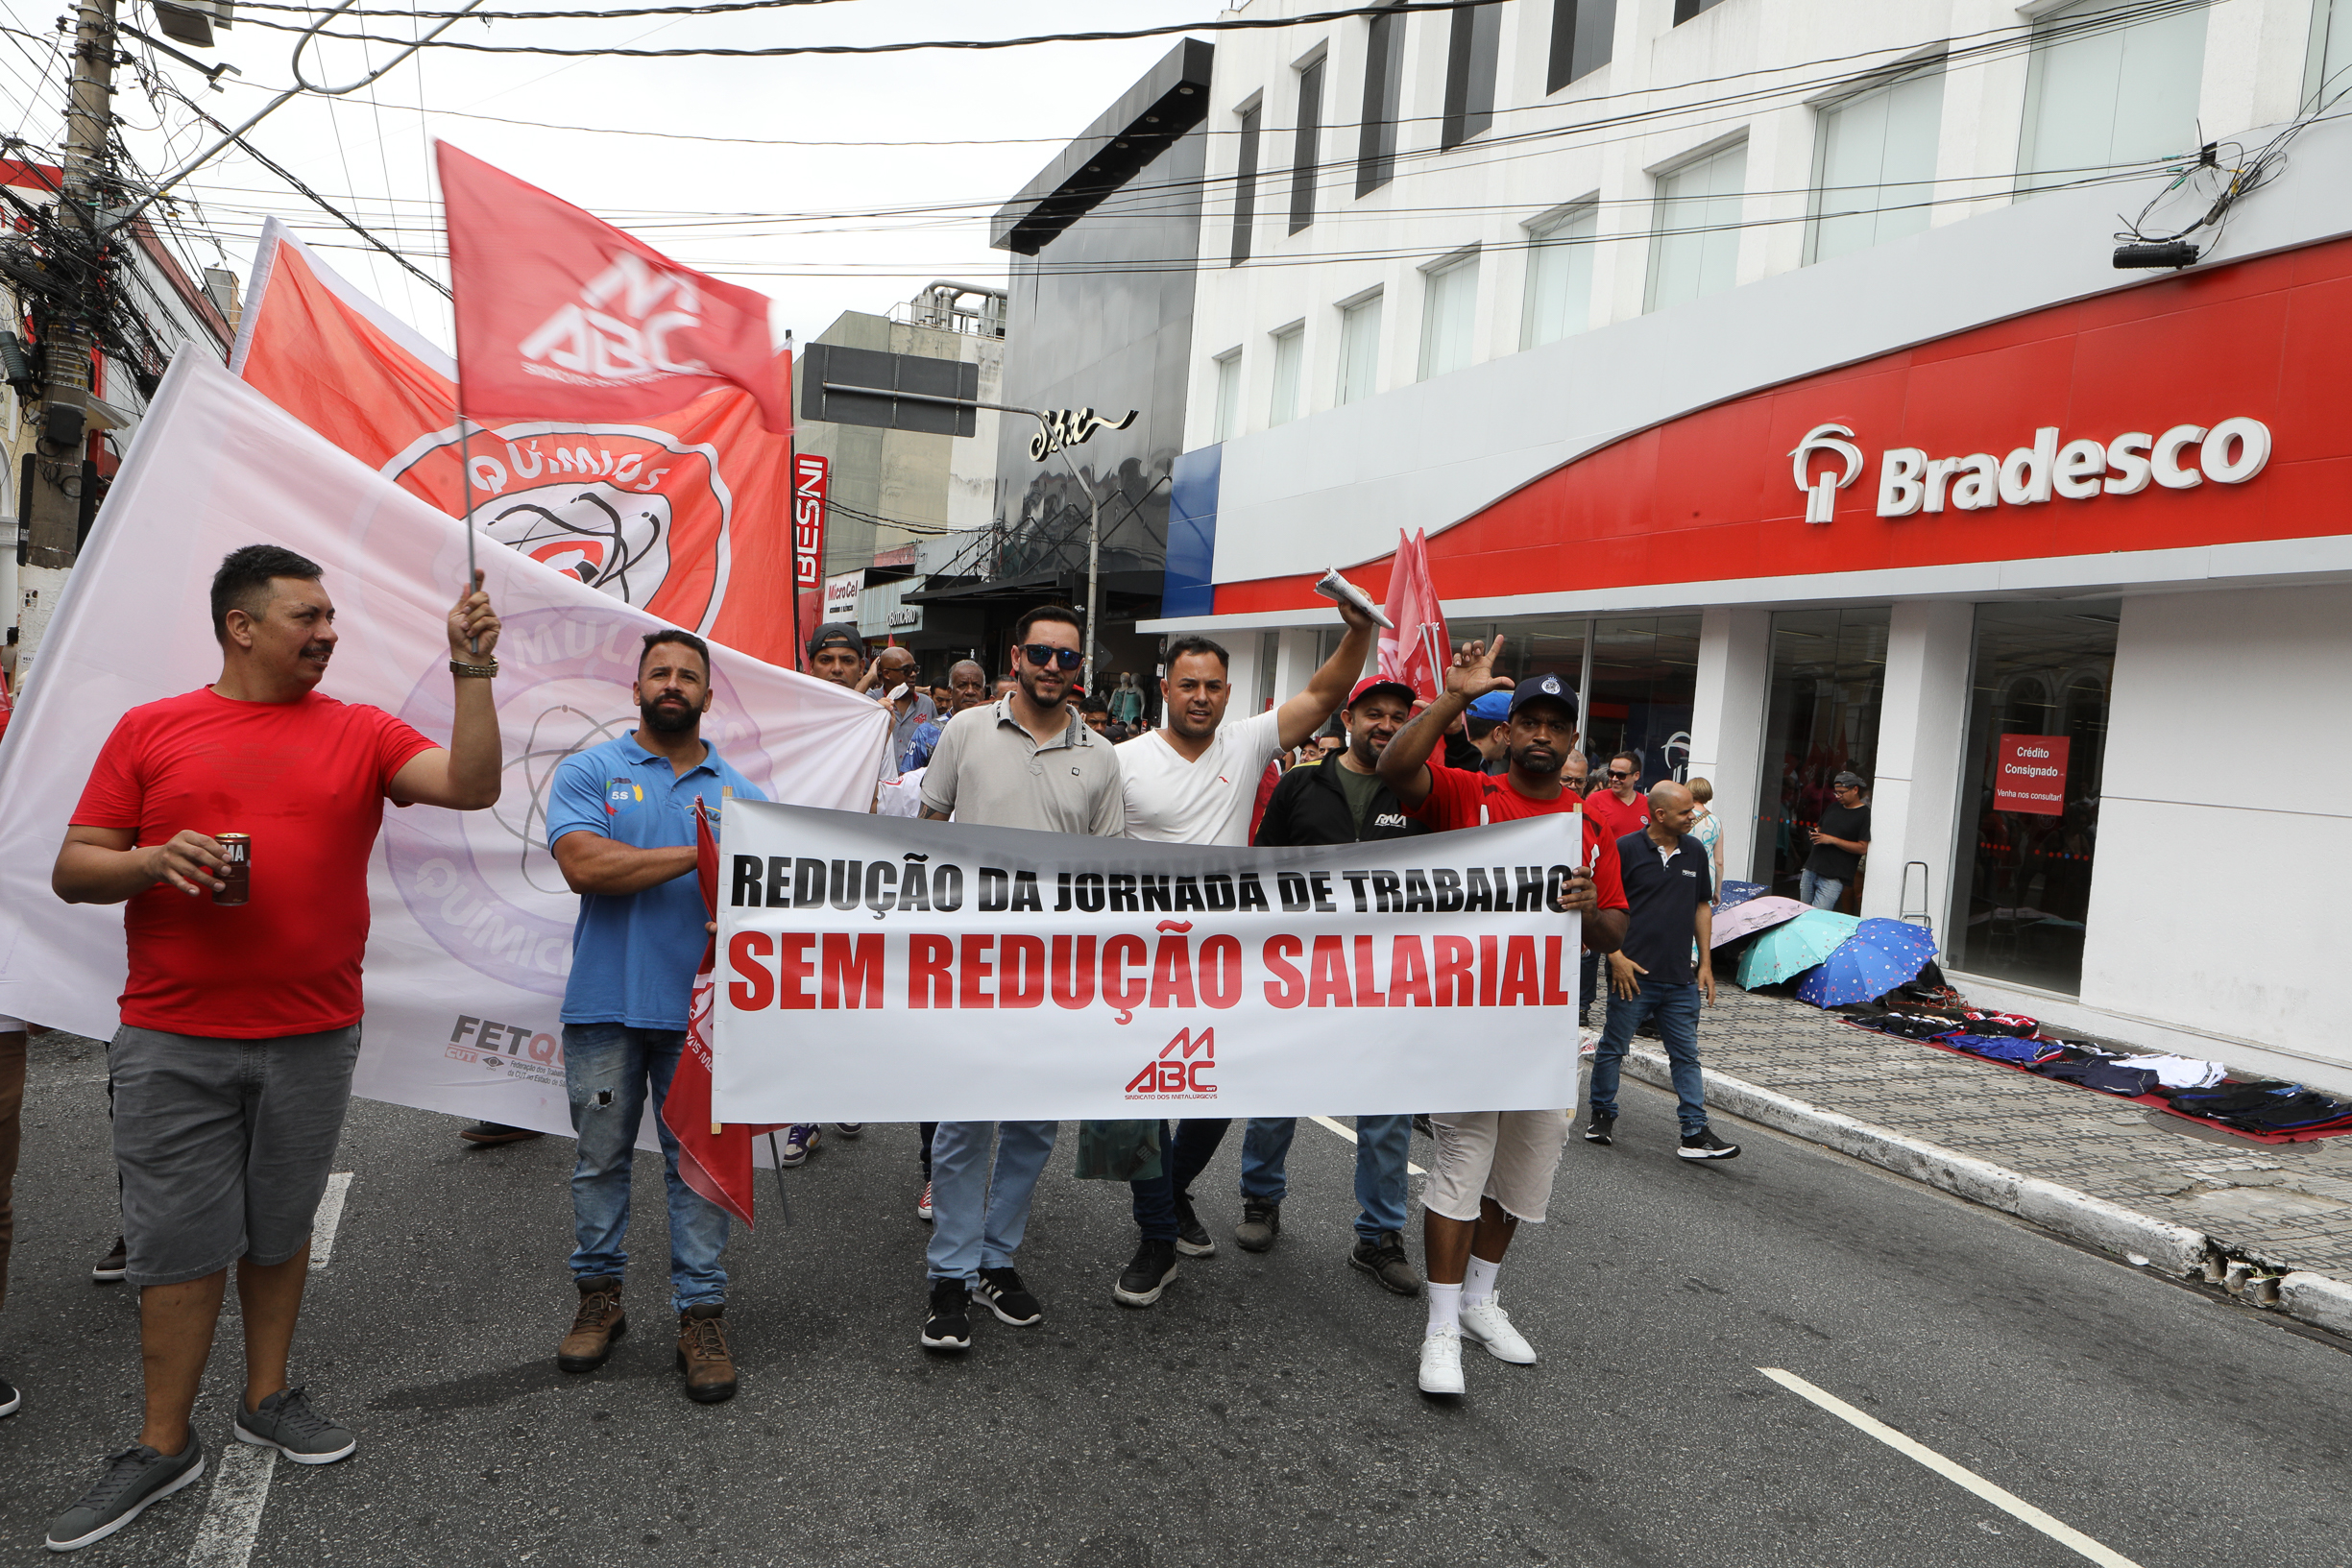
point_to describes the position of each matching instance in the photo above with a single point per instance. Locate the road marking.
(233, 1516)
(1959, 1476)
(323, 1224)
(1348, 1132)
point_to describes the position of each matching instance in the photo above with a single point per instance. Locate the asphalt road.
(1263, 1411)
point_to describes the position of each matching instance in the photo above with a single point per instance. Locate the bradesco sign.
(1910, 481)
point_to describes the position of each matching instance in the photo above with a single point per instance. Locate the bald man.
(1670, 888)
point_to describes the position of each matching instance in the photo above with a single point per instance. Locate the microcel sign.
(1910, 481)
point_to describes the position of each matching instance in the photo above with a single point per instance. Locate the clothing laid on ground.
(1330, 803)
(633, 956)
(306, 780)
(2101, 1072)
(2005, 1048)
(988, 769)
(1830, 862)
(1474, 800)
(1618, 817)
(1207, 800)
(2179, 1071)
(1664, 890)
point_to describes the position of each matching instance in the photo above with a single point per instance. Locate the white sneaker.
(1588, 1042)
(1442, 1363)
(922, 1206)
(1485, 1323)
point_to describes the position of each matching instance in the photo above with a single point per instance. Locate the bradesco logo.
(1175, 1072)
(2182, 457)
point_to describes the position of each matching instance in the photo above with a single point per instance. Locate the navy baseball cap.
(1493, 707)
(1542, 689)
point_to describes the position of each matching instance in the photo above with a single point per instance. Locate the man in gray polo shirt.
(1025, 761)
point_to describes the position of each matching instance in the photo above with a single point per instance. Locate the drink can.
(236, 877)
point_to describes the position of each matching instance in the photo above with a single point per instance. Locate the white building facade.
(1764, 366)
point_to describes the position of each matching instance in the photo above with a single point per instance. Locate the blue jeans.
(608, 1069)
(1382, 1143)
(1818, 892)
(1181, 1158)
(1675, 1008)
(980, 1207)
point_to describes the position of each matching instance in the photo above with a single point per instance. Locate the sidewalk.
(2282, 1207)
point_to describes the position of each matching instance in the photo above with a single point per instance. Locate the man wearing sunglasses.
(1194, 781)
(1618, 807)
(1023, 760)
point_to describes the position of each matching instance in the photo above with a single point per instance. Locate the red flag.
(713, 1160)
(561, 314)
(1414, 649)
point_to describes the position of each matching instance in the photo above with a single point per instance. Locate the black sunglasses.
(1615, 774)
(1042, 654)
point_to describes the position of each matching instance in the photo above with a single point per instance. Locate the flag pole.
(465, 470)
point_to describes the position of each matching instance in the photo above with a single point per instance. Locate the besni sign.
(811, 478)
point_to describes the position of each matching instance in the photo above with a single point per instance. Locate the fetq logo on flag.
(561, 314)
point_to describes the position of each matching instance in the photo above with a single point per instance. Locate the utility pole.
(51, 506)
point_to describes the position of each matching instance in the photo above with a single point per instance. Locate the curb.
(2138, 1239)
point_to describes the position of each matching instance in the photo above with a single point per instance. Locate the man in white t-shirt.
(1194, 781)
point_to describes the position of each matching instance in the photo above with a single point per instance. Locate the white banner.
(472, 936)
(883, 970)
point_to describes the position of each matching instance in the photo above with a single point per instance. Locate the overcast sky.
(788, 220)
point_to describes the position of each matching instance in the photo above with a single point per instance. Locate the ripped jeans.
(608, 1070)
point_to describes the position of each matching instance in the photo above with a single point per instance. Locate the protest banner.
(686, 515)
(881, 970)
(471, 940)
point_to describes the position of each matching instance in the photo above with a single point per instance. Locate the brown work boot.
(589, 1344)
(703, 1355)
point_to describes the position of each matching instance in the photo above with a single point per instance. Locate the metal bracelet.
(480, 672)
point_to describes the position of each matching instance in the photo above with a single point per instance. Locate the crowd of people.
(229, 1093)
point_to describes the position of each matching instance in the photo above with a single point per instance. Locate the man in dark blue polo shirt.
(1670, 886)
(620, 819)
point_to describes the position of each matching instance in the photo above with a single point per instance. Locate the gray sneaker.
(286, 1422)
(134, 1479)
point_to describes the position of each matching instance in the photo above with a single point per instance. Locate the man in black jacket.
(1341, 801)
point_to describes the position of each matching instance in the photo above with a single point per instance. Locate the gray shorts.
(224, 1145)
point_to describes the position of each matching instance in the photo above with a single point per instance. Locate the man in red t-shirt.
(1494, 1168)
(1621, 805)
(240, 1020)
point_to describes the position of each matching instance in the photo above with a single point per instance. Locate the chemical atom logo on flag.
(585, 344)
(628, 510)
(1175, 1072)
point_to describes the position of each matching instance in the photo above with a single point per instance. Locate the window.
(1359, 349)
(1560, 277)
(1873, 167)
(1303, 154)
(1685, 10)
(1469, 73)
(1695, 251)
(1384, 75)
(1449, 306)
(1228, 395)
(1582, 31)
(1245, 186)
(1289, 358)
(2104, 90)
(2021, 880)
(2327, 71)
(1821, 717)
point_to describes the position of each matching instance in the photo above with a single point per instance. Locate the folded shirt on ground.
(2180, 1072)
(2105, 1074)
(2003, 1047)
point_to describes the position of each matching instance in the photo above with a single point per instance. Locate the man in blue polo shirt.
(1670, 887)
(620, 819)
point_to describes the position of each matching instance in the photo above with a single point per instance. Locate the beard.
(668, 718)
(1537, 759)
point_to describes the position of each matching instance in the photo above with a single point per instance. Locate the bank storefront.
(2069, 580)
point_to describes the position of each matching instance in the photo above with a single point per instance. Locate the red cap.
(1376, 683)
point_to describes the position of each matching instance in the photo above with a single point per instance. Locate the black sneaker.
(948, 1326)
(1385, 1260)
(1421, 1124)
(1601, 1129)
(1142, 1281)
(1192, 1237)
(111, 1267)
(1261, 1223)
(10, 1398)
(1002, 1293)
(1703, 1144)
(134, 1479)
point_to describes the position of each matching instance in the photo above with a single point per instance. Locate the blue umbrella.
(1731, 893)
(1794, 946)
(1878, 956)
